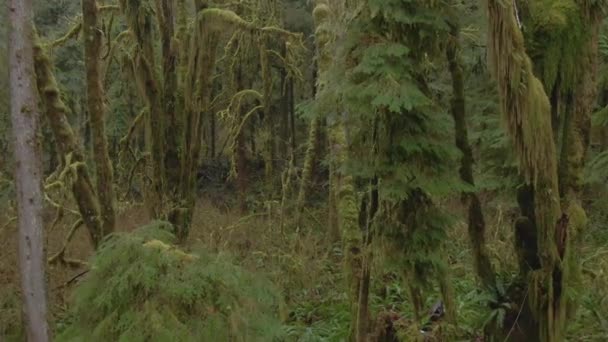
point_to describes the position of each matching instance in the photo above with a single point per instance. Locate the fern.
(142, 288)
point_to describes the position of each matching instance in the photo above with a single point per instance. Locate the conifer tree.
(396, 137)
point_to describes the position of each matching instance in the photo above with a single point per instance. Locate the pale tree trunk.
(28, 169)
(92, 53)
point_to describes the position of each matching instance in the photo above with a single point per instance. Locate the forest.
(304, 170)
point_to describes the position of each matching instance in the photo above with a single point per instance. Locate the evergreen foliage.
(142, 288)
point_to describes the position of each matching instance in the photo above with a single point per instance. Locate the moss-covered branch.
(56, 113)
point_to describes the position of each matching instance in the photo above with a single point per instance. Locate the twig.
(71, 280)
(72, 33)
(124, 141)
(10, 220)
(521, 307)
(59, 255)
(132, 173)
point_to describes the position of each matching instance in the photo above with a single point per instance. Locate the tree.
(175, 119)
(476, 221)
(25, 117)
(95, 101)
(540, 93)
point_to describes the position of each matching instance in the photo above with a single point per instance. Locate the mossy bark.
(140, 21)
(97, 111)
(310, 159)
(321, 15)
(56, 113)
(527, 111)
(476, 222)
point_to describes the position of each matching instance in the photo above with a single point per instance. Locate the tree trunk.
(476, 221)
(96, 107)
(527, 111)
(292, 121)
(310, 159)
(56, 113)
(25, 117)
(269, 120)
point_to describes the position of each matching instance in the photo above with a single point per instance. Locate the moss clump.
(142, 288)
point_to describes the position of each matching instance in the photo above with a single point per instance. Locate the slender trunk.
(292, 121)
(139, 20)
(269, 120)
(172, 113)
(96, 107)
(284, 113)
(476, 221)
(310, 158)
(212, 133)
(56, 113)
(241, 148)
(25, 118)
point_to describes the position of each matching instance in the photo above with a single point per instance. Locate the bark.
(25, 118)
(56, 113)
(97, 111)
(476, 222)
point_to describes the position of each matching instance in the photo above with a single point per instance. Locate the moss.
(312, 149)
(56, 112)
(97, 112)
(527, 112)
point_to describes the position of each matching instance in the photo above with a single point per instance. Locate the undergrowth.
(142, 288)
(287, 286)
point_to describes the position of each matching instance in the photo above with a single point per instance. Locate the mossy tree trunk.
(25, 118)
(56, 113)
(344, 202)
(97, 111)
(310, 159)
(180, 105)
(476, 222)
(527, 111)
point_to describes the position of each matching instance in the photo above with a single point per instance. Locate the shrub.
(143, 288)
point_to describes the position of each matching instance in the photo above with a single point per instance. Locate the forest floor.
(306, 267)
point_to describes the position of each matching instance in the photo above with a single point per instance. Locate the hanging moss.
(526, 109)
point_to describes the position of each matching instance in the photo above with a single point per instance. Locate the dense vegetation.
(327, 170)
